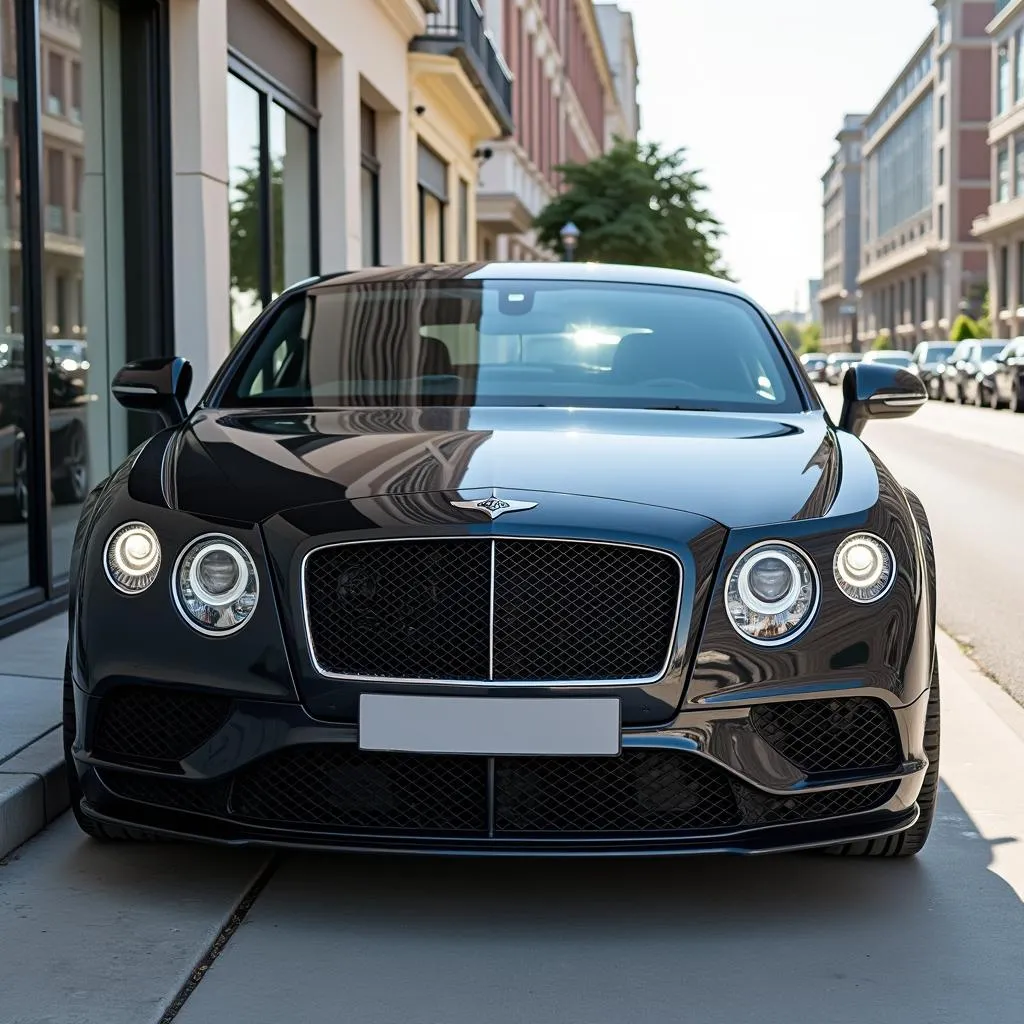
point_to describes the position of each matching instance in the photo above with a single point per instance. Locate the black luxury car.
(929, 362)
(837, 365)
(1000, 379)
(507, 558)
(962, 369)
(815, 363)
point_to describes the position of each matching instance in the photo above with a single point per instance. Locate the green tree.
(244, 225)
(792, 334)
(985, 323)
(963, 328)
(810, 339)
(636, 205)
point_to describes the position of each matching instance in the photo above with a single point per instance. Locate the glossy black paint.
(878, 391)
(159, 385)
(703, 486)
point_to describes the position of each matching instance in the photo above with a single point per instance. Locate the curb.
(33, 790)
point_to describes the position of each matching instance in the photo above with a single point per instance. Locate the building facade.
(814, 300)
(925, 181)
(622, 109)
(1002, 225)
(170, 166)
(562, 93)
(841, 219)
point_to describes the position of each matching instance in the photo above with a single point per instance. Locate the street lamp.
(570, 239)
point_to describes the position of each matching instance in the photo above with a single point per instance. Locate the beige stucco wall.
(362, 53)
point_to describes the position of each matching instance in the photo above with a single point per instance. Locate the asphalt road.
(967, 466)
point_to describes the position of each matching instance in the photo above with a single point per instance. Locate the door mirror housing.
(159, 386)
(875, 391)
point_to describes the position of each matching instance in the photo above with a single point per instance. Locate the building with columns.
(925, 180)
(565, 97)
(841, 218)
(1001, 227)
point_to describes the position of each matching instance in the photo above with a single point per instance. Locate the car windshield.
(991, 349)
(936, 353)
(522, 343)
(892, 357)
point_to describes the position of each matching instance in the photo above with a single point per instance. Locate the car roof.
(610, 273)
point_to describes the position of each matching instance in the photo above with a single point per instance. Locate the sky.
(756, 92)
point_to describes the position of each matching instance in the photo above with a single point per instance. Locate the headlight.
(863, 567)
(132, 557)
(215, 585)
(772, 593)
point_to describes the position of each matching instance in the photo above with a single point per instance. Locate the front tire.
(911, 842)
(98, 830)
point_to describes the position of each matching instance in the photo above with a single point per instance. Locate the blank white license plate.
(557, 726)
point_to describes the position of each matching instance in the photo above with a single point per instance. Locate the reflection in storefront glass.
(290, 198)
(244, 203)
(83, 262)
(14, 509)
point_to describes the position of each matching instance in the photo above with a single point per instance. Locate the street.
(149, 933)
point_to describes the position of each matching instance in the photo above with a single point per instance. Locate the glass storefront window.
(14, 499)
(83, 262)
(271, 193)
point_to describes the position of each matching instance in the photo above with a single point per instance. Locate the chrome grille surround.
(486, 678)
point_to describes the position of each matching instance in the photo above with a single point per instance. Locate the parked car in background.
(960, 375)
(892, 357)
(838, 364)
(928, 362)
(67, 370)
(1000, 380)
(815, 364)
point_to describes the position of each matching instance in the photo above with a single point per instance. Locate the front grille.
(344, 790)
(841, 734)
(156, 724)
(504, 610)
(351, 789)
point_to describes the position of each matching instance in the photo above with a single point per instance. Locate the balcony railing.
(457, 30)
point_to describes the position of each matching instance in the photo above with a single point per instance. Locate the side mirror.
(155, 385)
(874, 391)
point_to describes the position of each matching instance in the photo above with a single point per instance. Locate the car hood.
(740, 470)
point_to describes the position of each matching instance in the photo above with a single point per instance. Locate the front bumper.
(267, 773)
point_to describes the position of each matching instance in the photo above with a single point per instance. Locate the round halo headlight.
(132, 557)
(864, 567)
(771, 593)
(215, 585)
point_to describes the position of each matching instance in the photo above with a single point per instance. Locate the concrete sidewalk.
(33, 790)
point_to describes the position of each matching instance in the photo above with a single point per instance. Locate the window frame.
(370, 162)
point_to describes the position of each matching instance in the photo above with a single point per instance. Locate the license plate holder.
(491, 726)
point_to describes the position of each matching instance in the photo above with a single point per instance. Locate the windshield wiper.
(681, 408)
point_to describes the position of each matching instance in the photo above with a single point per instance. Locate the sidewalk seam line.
(24, 747)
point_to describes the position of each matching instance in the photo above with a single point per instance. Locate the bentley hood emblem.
(495, 506)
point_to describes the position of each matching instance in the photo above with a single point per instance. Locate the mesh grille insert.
(638, 792)
(156, 724)
(642, 793)
(350, 789)
(562, 610)
(843, 734)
